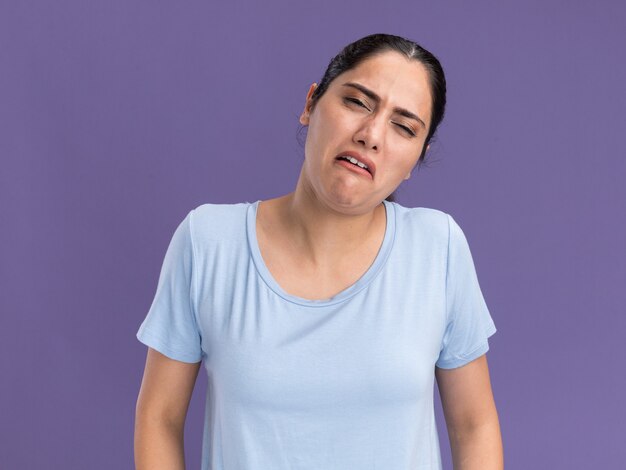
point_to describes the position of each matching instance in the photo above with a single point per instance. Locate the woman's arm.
(161, 410)
(471, 416)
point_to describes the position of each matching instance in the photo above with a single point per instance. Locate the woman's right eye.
(356, 101)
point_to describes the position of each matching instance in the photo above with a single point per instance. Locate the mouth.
(357, 163)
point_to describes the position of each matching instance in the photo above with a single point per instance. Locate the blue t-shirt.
(340, 383)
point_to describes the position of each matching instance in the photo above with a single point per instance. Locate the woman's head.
(376, 46)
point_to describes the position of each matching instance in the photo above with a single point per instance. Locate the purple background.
(118, 117)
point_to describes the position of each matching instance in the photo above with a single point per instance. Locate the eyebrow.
(373, 96)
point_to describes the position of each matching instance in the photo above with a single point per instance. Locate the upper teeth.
(355, 161)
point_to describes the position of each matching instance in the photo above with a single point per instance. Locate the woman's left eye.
(406, 129)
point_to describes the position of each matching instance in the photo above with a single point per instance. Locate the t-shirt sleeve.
(469, 322)
(170, 326)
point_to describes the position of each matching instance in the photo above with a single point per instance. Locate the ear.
(304, 117)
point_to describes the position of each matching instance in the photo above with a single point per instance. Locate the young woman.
(324, 316)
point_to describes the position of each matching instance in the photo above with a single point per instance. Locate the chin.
(349, 201)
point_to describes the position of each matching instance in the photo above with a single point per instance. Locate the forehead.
(397, 80)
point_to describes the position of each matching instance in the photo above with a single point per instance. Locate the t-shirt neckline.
(361, 283)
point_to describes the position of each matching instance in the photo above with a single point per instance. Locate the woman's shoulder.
(423, 217)
(225, 210)
(439, 225)
(219, 220)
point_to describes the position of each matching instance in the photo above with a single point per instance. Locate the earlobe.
(304, 117)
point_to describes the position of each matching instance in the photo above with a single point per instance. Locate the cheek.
(329, 124)
(324, 134)
(400, 162)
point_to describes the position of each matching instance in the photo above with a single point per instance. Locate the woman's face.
(380, 112)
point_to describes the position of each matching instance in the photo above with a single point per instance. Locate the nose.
(370, 133)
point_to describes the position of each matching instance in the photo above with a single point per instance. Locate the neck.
(324, 235)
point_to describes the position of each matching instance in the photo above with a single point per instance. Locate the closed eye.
(357, 102)
(406, 129)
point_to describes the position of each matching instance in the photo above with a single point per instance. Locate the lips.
(371, 167)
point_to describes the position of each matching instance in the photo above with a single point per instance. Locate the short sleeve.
(469, 322)
(170, 326)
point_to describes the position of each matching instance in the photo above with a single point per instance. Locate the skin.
(335, 125)
(310, 226)
(471, 416)
(302, 235)
(161, 410)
